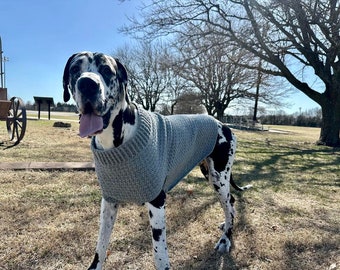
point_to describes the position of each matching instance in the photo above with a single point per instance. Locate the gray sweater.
(163, 151)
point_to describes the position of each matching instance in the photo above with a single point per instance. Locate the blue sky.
(39, 36)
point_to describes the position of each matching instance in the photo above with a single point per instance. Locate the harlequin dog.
(140, 156)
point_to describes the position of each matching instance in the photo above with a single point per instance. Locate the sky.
(38, 37)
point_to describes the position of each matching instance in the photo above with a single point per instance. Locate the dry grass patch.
(43, 142)
(289, 220)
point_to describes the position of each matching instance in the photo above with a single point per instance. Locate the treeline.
(310, 118)
(59, 107)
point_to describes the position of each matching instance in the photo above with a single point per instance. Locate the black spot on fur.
(106, 73)
(106, 119)
(227, 133)
(216, 187)
(204, 171)
(117, 125)
(95, 262)
(123, 117)
(156, 234)
(98, 58)
(150, 214)
(229, 233)
(220, 154)
(232, 199)
(129, 116)
(160, 200)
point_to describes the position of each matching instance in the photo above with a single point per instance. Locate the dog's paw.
(223, 245)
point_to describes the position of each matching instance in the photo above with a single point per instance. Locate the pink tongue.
(90, 124)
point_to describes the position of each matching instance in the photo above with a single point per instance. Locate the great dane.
(98, 85)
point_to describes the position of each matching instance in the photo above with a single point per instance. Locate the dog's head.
(97, 83)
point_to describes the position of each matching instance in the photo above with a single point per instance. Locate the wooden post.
(49, 109)
(39, 105)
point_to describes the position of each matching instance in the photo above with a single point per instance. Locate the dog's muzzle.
(91, 122)
(87, 87)
(89, 97)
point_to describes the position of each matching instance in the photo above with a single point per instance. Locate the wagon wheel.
(16, 120)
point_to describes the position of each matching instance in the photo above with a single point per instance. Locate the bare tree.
(151, 79)
(189, 103)
(148, 80)
(208, 66)
(303, 34)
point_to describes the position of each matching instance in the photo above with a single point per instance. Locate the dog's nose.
(87, 86)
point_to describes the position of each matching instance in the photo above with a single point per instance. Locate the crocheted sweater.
(162, 152)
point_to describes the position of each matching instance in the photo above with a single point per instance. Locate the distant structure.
(3, 59)
(2, 73)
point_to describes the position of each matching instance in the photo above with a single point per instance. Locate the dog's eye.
(106, 71)
(74, 69)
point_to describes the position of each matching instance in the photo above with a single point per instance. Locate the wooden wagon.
(13, 111)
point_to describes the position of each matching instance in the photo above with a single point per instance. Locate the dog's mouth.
(90, 121)
(90, 124)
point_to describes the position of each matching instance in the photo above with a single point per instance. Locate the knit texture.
(163, 151)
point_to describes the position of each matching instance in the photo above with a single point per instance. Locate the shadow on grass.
(322, 255)
(308, 171)
(277, 162)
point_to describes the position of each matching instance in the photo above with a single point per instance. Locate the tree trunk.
(256, 103)
(330, 128)
(219, 110)
(258, 83)
(220, 115)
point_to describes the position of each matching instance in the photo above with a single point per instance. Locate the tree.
(286, 34)
(189, 103)
(151, 78)
(214, 70)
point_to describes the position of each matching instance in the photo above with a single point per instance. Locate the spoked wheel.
(16, 120)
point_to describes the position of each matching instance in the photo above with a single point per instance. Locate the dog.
(98, 85)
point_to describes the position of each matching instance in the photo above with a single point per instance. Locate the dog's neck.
(120, 128)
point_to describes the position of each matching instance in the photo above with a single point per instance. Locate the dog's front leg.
(108, 214)
(158, 227)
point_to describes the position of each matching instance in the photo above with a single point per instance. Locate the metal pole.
(5, 59)
(1, 73)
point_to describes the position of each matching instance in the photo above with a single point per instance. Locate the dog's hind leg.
(108, 214)
(220, 163)
(158, 227)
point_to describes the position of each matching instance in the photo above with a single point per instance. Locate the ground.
(289, 220)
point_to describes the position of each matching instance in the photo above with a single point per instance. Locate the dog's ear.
(122, 73)
(66, 78)
(123, 78)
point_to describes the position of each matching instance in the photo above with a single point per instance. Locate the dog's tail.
(237, 187)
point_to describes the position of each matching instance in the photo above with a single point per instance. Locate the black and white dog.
(98, 84)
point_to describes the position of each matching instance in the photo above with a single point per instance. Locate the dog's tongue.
(90, 124)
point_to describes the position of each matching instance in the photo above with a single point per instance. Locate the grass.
(289, 220)
(43, 142)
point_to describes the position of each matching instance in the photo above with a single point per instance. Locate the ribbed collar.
(132, 147)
